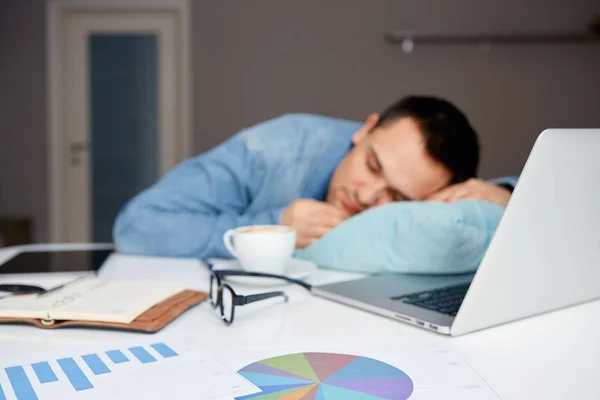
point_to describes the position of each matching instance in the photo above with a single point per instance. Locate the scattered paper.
(419, 372)
(142, 369)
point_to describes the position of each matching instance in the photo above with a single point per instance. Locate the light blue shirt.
(248, 179)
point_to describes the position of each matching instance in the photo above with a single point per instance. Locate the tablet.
(55, 261)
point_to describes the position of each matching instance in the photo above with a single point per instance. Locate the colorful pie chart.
(326, 376)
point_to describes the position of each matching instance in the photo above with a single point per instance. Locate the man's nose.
(368, 195)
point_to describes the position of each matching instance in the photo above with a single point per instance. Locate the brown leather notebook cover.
(151, 321)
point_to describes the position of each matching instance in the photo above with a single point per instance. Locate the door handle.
(76, 150)
(78, 147)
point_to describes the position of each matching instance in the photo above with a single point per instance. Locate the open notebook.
(98, 300)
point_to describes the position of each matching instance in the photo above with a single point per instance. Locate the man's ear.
(367, 127)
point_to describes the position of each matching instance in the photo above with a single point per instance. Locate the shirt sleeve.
(186, 213)
(508, 182)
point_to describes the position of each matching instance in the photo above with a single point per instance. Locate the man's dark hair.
(449, 137)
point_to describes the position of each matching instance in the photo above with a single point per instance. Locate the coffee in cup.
(261, 228)
(262, 248)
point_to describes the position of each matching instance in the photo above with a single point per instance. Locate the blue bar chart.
(116, 356)
(78, 370)
(142, 354)
(171, 367)
(75, 375)
(44, 372)
(96, 364)
(20, 383)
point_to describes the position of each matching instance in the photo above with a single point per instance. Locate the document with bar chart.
(148, 370)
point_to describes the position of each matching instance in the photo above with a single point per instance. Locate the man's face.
(388, 163)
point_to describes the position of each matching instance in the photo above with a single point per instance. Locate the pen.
(61, 286)
(18, 288)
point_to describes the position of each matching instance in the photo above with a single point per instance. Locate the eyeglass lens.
(214, 291)
(227, 299)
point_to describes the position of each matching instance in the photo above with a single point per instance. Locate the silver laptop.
(545, 254)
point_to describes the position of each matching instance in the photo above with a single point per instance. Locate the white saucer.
(296, 269)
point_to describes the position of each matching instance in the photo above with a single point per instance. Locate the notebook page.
(104, 300)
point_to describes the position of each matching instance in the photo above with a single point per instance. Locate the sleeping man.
(311, 173)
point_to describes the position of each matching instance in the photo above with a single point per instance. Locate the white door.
(119, 105)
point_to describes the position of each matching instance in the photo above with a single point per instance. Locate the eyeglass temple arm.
(225, 272)
(241, 300)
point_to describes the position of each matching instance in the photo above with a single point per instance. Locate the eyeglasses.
(223, 296)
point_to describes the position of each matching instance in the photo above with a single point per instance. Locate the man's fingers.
(453, 193)
(329, 210)
(330, 216)
(472, 189)
(303, 242)
(443, 195)
(459, 193)
(318, 231)
(332, 221)
(311, 236)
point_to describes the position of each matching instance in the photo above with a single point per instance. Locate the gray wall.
(257, 59)
(23, 159)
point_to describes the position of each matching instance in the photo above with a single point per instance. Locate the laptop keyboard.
(446, 300)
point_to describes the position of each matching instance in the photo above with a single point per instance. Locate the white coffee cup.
(262, 248)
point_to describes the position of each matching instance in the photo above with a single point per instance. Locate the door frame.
(57, 10)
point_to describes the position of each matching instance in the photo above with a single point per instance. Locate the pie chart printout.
(326, 376)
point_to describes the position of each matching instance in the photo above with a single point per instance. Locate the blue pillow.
(410, 237)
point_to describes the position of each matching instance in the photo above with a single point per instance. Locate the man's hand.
(311, 219)
(473, 189)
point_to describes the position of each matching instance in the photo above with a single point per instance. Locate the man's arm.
(187, 212)
(496, 191)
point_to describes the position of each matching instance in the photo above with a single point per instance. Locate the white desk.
(553, 356)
